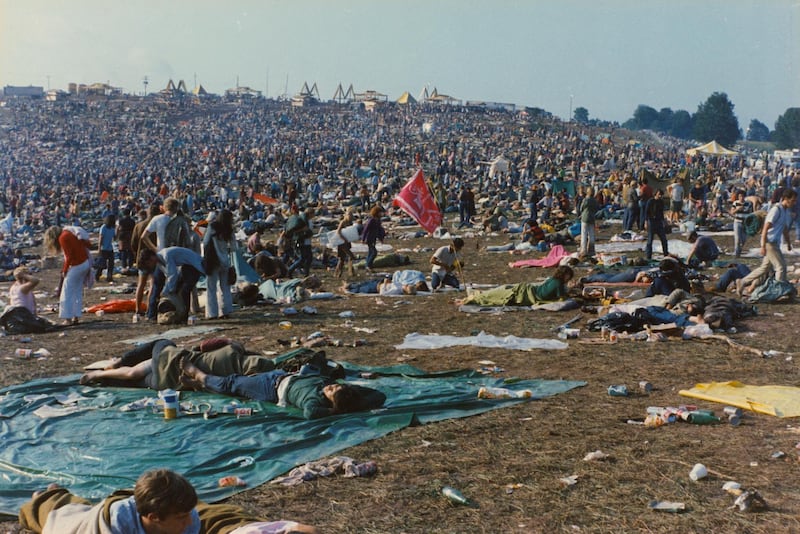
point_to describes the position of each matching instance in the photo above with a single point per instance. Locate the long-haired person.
(73, 243)
(219, 245)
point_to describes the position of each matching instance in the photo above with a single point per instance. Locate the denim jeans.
(260, 387)
(437, 280)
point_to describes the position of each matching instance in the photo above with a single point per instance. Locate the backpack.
(177, 232)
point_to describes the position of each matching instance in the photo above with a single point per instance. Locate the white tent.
(713, 149)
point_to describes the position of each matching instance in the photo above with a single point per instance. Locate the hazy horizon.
(608, 57)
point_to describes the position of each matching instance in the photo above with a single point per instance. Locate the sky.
(607, 56)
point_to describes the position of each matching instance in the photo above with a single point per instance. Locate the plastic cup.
(698, 471)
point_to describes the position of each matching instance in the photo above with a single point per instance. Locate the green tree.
(757, 131)
(644, 117)
(664, 121)
(681, 124)
(715, 120)
(787, 129)
(581, 115)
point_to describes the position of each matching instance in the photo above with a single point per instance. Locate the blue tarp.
(98, 448)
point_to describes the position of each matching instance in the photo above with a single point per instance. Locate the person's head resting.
(564, 274)
(343, 397)
(458, 244)
(171, 205)
(164, 501)
(693, 236)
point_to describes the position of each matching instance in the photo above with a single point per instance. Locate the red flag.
(415, 199)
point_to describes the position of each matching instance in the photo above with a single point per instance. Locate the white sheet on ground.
(175, 333)
(435, 341)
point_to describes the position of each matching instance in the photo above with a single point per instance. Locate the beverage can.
(604, 332)
(645, 386)
(135, 318)
(100, 313)
(735, 420)
(242, 412)
(618, 390)
(613, 337)
(732, 410)
(192, 320)
(23, 353)
(230, 481)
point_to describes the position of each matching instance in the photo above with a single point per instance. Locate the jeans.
(739, 237)
(587, 240)
(734, 273)
(106, 262)
(304, 261)
(655, 227)
(260, 387)
(155, 293)
(437, 280)
(372, 253)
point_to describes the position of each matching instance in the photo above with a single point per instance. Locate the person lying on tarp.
(162, 502)
(525, 293)
(157, 365)
(316, 395)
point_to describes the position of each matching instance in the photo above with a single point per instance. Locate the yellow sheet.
(780, 401)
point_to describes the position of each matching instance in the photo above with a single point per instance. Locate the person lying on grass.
(525, 293)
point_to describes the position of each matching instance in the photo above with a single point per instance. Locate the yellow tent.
(406, 98)
(713, 149)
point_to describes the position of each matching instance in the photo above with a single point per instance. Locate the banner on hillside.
(416, 199)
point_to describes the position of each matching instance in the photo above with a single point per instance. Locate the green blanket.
(94, 447)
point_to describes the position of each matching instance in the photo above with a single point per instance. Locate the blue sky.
(608, 56)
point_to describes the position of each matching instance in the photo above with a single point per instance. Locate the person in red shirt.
(645, 194)
(73, 242)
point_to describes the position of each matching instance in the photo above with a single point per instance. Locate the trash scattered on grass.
(454, 496)
(595, 456)
(667, 506)
(569, 481)
(750, 501)
(698, 472)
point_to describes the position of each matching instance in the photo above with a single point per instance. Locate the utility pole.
(145, 81)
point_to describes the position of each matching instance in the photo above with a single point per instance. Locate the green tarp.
(95, 447)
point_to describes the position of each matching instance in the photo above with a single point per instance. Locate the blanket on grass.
(778, 401)
(93, 447)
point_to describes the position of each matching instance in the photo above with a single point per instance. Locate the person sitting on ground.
(21, 291)
(669, 277)
(316, 395)
(532, 233)
(704, 251)
(269, 266)
(162, 502)
(525, 293)
(446, 260)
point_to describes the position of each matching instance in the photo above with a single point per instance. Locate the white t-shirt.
(158, 224)
(445, 256)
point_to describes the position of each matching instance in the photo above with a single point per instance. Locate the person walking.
(105, 248)
(654, 222)
(372, 232)
(588, 210)
(776, 227)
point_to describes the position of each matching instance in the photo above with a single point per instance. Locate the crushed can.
(618, 390)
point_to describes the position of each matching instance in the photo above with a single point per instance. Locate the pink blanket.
(552, 259)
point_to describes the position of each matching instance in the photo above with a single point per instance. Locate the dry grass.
(508, 462)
